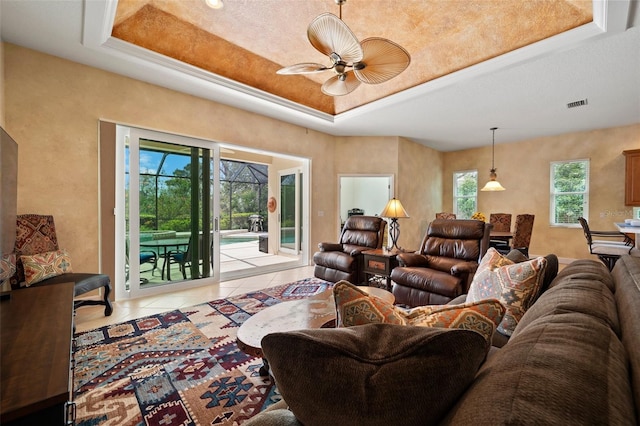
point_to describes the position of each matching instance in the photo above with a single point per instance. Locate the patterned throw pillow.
(41, 266)
(516, 285)
(7, 266)
(482, 317)
(355, 307)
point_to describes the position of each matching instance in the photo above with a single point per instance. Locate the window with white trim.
(569, 192)
(465, 193)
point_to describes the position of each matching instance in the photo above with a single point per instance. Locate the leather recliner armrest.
(412, 259)
(330, 246)
(464, 268)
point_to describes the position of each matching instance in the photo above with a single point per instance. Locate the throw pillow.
(39, 267)
(516, 285)
(7, 266)
(374, 374)
(355, 307)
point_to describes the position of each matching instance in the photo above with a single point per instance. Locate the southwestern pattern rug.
(181, 367)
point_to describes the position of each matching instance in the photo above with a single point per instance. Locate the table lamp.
(394, 211)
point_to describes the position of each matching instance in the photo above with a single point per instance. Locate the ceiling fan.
(372, 61)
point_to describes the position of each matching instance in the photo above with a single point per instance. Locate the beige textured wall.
(360, 155)
(52, 110)
(1, 83)
(523, 169)
(419, 188)
(52, 107)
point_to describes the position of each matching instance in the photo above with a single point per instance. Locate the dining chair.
(521, 235)
(607, 250)
(445, 215)
(501, 222)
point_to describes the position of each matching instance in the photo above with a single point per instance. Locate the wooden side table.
(377, 267)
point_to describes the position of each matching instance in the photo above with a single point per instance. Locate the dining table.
(500, 236)
(164, 245)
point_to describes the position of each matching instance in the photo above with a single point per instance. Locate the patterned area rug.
(178, 368)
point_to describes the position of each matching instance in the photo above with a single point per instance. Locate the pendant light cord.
(493, 148)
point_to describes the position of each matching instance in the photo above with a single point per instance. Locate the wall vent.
(576, 104)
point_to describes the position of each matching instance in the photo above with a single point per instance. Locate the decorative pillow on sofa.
(516, 285)
(7, 266)
(355, 307)
(39, 267)
(374, 374)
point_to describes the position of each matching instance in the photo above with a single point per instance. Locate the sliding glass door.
(170, 204)
(291, 213)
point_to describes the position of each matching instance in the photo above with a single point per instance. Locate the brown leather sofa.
(343, 260)
(443, 267)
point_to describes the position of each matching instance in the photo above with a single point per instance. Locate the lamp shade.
(394, 209)
(493, 184)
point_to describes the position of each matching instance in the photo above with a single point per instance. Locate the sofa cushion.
(586, 296)
(569, 369)
(626, 274)
(39, 267)
(355, 307)
(374, 374)
(585, 269)
(515, 285)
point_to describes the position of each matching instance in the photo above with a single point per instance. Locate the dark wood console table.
(36, 332)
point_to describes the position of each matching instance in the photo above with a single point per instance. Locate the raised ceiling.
(524, 92)
(247, 41)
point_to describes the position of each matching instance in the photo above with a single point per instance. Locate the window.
(465, 192)
(569, 192)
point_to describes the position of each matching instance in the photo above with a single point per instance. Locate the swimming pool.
(230, 240)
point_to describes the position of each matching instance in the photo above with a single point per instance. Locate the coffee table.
(314, 312)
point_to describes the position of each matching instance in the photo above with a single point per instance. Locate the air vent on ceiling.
(575, 104)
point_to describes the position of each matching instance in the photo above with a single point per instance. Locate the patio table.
(165, 245)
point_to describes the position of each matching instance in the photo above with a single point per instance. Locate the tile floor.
(90, 317)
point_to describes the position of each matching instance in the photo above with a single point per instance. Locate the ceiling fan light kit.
(372, 61)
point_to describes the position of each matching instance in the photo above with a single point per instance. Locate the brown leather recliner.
(445, 264)
(343, 260)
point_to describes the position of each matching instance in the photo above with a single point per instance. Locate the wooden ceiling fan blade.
(383, 60)
(304, 68)
(328, 34)
(338, 87)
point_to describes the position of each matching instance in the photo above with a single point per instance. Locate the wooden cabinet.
(36, 331)
(632, 177)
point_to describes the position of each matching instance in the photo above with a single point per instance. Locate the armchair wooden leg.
(108, 308)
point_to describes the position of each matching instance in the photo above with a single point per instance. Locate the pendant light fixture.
(493, 184)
